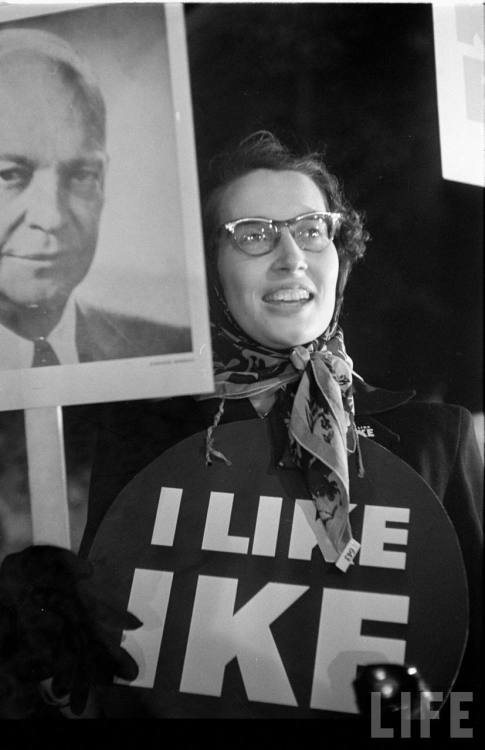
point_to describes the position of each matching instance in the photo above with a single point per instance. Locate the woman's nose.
(44, 201)
(288, 255)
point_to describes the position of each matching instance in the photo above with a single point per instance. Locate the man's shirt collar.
(17, 352)
(62, 338)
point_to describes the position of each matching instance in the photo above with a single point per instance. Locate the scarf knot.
(300, 357)
(319, 416)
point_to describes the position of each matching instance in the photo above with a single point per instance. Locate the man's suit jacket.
(102, 335)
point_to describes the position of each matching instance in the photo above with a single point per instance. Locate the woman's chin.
(288, 341)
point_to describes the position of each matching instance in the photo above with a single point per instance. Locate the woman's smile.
(288, 295)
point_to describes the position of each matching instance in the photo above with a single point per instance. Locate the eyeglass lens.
(312, 233)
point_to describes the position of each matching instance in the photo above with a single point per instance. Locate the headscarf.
(320, 419)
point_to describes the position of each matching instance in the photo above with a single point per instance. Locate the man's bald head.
(24, 48)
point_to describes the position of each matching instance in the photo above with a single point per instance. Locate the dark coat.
(437, 440)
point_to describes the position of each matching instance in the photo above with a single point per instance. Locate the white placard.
(148, 265)
(459, 54)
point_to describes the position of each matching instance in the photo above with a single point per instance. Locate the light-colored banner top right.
(459, 54)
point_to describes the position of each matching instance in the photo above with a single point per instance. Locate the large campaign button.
(242, 616)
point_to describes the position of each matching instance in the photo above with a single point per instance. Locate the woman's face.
(286, 297)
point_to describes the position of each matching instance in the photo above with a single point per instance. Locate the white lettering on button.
(216, 532)
(218, 634)
(376, 533)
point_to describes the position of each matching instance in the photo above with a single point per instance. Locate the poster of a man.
(55, 160)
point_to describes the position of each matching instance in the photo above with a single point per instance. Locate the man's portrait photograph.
(93, 232)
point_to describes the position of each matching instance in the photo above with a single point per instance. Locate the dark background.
(357, 81)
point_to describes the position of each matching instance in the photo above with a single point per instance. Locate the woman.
(272, 288)
(280, 243)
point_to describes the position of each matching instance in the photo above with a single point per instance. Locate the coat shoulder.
(103, 334)
(429, 420)
(440, 442)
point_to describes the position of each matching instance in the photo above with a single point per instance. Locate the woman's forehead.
(270, 193)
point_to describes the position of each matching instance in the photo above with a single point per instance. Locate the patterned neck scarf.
(320, 419)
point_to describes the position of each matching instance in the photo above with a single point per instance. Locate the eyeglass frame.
(278, 224)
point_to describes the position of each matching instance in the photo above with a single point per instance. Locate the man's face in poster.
(52, 163)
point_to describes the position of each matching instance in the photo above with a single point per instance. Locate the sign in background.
(242, 616)
(459, 52)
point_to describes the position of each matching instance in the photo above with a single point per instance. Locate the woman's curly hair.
(262, 150)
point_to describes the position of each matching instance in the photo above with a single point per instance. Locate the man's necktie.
(44, 354)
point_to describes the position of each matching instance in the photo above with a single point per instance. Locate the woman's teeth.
(287, 295)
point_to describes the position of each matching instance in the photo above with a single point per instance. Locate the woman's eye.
(311, 233)
(253, 237)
